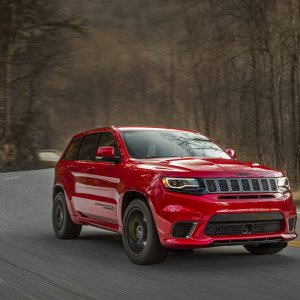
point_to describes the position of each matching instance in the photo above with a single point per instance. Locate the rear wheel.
(64, 227)
(265, 249)
(140, 237)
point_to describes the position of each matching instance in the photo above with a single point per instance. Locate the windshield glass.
(169, 143)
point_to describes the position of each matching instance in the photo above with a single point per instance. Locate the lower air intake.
(292, 224)
(238, 228)
(244, 224)
(183, 229)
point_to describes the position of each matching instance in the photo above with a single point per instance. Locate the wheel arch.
(56, 189)
(128, 197)
(133, 194)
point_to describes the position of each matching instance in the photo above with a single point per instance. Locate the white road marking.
(11, 178)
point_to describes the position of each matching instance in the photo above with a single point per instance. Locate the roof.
(124, 128)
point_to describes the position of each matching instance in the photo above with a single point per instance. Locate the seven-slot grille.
(241, 185)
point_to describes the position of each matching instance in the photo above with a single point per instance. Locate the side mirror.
(231, 153)
(106, 154)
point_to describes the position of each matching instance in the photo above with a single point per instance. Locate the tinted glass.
(170, 143)
(72, 151)
(108, 139)
(87, 150)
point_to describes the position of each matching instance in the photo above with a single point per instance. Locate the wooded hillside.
(229, 69)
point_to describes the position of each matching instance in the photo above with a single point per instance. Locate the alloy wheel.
(137, 232)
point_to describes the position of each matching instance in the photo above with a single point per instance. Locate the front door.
(104, 179)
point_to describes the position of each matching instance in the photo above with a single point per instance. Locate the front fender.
(146, 186)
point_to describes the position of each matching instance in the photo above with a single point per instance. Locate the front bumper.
(175, 207)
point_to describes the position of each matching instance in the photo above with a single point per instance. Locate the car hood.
(208, 167)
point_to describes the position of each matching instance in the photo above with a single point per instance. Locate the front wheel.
(140, 237)
(265, 249)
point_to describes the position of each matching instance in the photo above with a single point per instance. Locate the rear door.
(83, 178)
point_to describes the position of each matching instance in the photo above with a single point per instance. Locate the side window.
(72, 151)
(108, 139)
(87, 150)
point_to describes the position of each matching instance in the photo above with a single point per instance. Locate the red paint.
(95, 192)
(105, 152)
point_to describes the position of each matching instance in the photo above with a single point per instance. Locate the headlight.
(283, 185)
(185, 185)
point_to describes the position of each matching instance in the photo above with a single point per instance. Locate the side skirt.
(100, 224)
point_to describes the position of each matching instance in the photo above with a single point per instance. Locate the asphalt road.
(36, 265)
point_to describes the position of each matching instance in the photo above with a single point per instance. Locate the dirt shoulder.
(296, 196)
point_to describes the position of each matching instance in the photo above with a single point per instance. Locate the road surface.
(36, 265)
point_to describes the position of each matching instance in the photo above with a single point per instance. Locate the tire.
(140, 237)
(63, 226)
(265, 249)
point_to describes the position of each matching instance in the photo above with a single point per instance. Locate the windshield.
(169, 143)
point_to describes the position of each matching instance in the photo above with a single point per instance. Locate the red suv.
(169, 189)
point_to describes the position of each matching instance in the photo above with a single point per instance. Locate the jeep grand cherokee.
(166, 189)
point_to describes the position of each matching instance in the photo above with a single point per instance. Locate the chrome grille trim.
(240, 185)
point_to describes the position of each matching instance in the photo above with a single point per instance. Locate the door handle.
(70, 168)
(91, 169)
